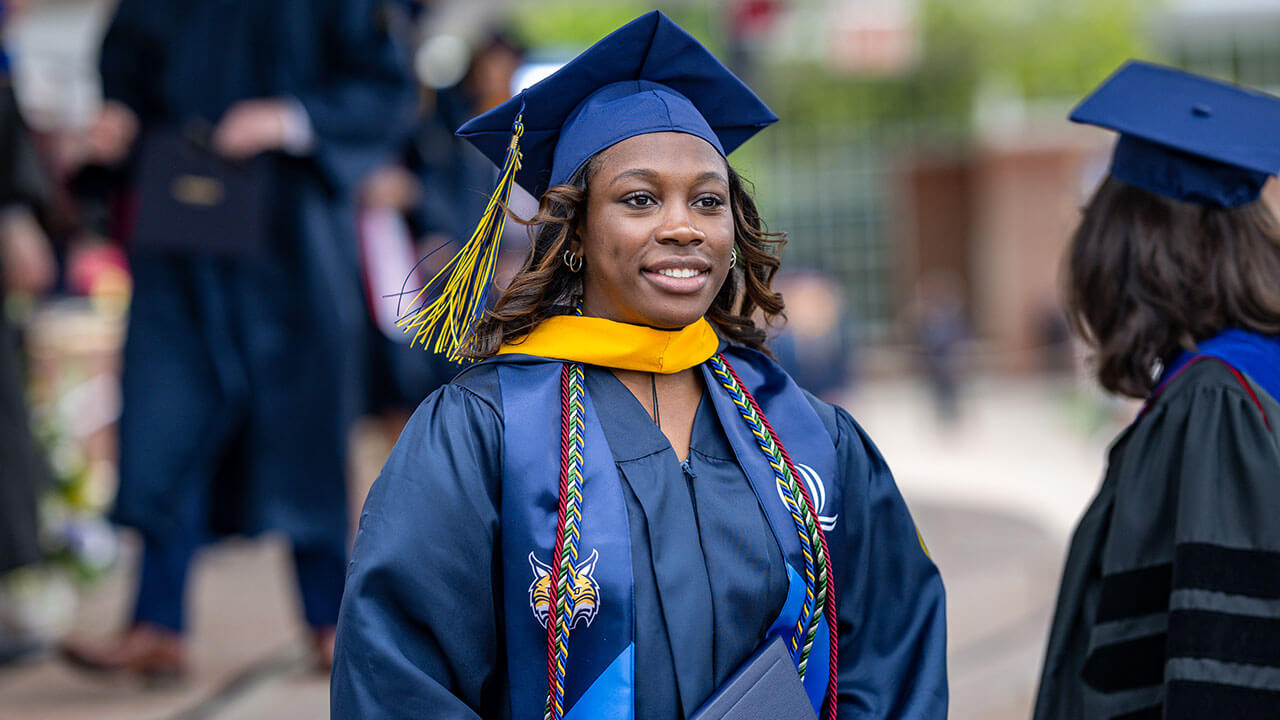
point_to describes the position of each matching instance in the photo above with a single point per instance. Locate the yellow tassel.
(446, 323)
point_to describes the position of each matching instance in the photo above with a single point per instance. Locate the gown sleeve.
(418, 631)
(891, 604)
(1193, 534)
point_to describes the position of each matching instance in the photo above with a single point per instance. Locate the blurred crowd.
(250, 202)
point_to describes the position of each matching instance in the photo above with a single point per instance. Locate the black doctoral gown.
(421, 627)
(244, 374)
(1170, 600)
(23, 470)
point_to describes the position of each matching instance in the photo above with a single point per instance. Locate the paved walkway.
(994, 499)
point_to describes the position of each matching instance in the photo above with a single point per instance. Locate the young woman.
(1170, 601)
(627, 497)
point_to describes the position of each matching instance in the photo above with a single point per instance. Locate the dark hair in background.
(545, 287)
(1148, 276)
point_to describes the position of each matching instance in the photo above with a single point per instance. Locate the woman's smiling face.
(658, 231)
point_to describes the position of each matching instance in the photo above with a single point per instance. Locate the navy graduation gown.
(421, 625)
(244, 375)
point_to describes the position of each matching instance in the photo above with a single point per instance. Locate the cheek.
(721, 233)
(615, 246)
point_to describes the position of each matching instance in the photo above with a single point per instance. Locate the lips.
(679, 275)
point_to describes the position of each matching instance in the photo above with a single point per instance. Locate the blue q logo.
(818, 492)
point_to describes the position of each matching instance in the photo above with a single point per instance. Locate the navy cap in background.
(1187, 137)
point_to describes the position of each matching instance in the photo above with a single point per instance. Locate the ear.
(540, 570)
(589, 566)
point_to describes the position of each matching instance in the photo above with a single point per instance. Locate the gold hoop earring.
(573, 262)
(733, 258)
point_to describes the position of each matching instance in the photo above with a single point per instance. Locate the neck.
(677, 396)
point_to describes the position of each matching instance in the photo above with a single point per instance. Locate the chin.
(674, 318)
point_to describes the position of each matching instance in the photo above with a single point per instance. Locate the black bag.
(193, 201)
(765, 687)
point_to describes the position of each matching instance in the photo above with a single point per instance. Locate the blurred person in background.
(941, 329)
(814, 346)
(1170, 598)
(27, 268)
(437, 188)
(244, 128)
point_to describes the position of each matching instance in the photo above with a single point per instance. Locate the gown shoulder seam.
(1218, 376)
(465, 387)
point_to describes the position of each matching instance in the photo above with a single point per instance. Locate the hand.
(28, 261)
(112, 133)
(252, 127)
(390, 187)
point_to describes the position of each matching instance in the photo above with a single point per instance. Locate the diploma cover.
(765, 687)
(193, 201)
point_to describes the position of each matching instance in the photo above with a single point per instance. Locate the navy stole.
(600, 677)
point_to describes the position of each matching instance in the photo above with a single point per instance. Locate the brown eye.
(708, 202)
(639, 200)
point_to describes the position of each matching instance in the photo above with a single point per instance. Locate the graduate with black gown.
(27, 266)
(1170, 599)
(242, 365)
(627, 497)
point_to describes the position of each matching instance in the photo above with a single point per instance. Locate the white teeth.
(678, 272)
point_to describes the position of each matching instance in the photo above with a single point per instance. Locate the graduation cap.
(647, 76)
(1187, 137)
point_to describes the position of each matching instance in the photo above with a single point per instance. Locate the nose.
(678, 227)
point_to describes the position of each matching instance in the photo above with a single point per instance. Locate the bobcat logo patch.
(818, 492)
(584, 592)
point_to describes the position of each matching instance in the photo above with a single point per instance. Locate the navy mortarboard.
(647, 76)
(1187, 137)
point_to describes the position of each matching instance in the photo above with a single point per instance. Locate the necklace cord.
(653, 384)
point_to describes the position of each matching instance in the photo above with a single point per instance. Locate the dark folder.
(193, 201)
(765, 687)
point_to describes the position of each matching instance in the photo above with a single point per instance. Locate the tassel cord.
(445, 324)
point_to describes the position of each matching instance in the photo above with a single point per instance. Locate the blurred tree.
(1049, 48)
(1037, 48)
(569, 26)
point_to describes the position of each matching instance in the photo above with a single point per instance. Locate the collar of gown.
(598, 341)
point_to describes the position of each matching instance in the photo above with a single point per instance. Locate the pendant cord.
(653, 384)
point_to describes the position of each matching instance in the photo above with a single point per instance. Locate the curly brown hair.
(1148, 277)
(545, 287)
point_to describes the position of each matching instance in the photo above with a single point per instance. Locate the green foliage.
(572, 25)
(1037, 48)
(1047, 48)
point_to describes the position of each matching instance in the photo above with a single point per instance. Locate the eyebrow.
(651, 175)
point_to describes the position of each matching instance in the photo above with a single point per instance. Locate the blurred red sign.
(873, 36)
(752, 19)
